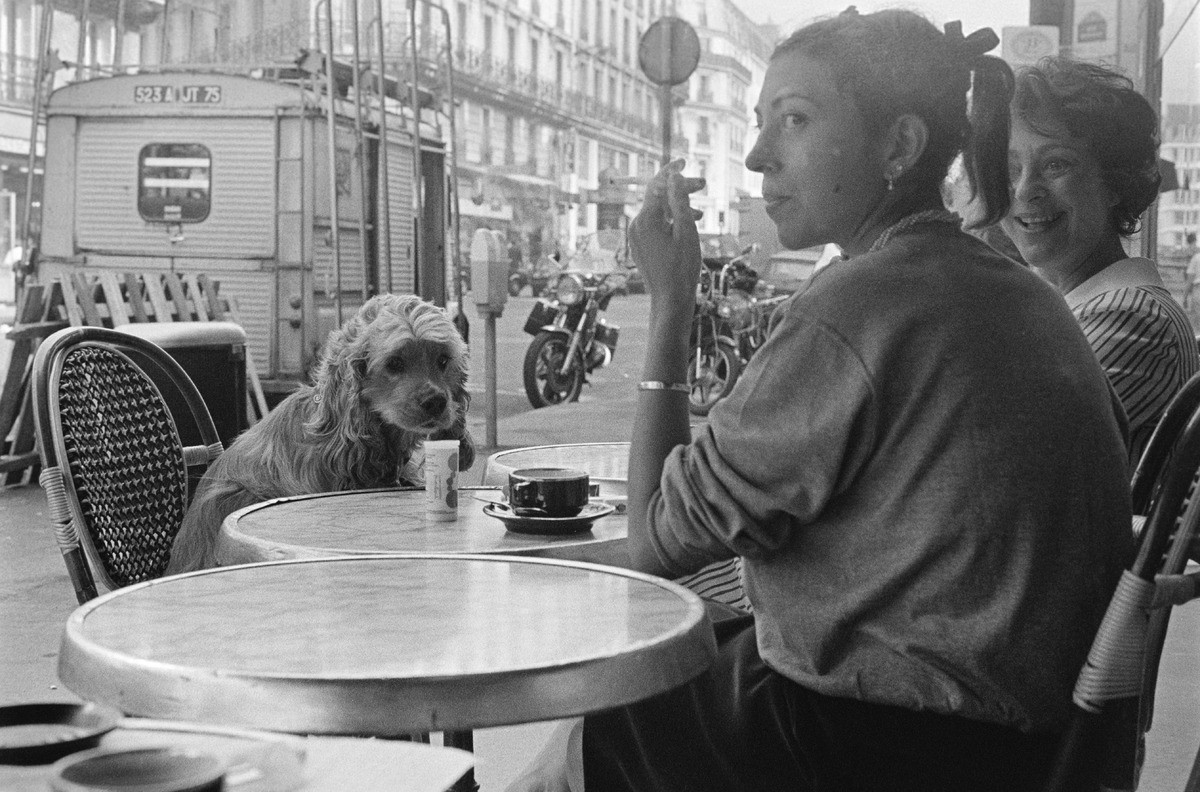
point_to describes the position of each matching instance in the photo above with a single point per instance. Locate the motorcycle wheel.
(544, 385)
(712, 380)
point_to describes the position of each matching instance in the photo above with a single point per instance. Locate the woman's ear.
(904, 144)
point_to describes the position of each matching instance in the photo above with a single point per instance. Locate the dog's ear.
(340, 372)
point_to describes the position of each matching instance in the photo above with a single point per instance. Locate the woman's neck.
(1065, 278)
(888, 212)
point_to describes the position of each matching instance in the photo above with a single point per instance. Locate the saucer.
(519, 523)
(154, 769)
(42, 733)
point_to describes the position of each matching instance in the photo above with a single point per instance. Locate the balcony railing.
(724, 63)
(496, 75)
(505, 78)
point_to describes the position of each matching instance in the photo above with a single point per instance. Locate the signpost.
(668, 53)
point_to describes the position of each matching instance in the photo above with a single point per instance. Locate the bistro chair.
(115, 473)
(1103, 746)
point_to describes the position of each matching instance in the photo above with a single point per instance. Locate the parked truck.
(229, 175)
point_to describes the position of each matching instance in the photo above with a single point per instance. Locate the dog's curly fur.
(392, 376)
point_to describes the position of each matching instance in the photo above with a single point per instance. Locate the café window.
(174, 183)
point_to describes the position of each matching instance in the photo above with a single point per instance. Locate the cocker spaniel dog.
(392, 376)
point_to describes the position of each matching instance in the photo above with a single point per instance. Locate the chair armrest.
(201, 455)
(66, 533)
(1175, 589)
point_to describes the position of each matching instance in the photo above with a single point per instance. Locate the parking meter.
(489, 273)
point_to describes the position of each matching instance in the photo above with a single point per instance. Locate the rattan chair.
(115, 473)
(1103, 747)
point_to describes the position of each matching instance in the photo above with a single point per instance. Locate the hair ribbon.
(973, 46)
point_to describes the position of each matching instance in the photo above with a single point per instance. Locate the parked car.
(787, 270)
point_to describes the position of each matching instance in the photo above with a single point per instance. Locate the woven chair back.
(114, 472)
(125, 461)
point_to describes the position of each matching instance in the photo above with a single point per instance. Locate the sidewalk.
(577, 422)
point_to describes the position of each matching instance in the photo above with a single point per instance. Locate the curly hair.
(1101, 107)
(895, 62)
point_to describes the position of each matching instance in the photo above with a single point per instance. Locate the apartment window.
(599, 23)
(488, 33)
(462, 25)
(534, 56)
(512, 47)
(705, 89)
(558, 68)
(510, 134)
(612, 91)
(626, 51)
(486, 151)
(583, 20)
(598, 88)
(702, 134)
(174, 182)
(612, 30)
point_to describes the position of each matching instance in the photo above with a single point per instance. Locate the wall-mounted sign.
(1095, 31)
(1021, 46)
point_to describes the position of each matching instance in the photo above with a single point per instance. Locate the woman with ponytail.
(922, 469)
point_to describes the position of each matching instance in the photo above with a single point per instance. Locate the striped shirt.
(1142, 338)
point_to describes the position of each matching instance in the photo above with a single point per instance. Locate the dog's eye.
(395, 364)
(443, 361)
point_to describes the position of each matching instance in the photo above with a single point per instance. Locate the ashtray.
(155, 769)
(41, 733)
(520, 523)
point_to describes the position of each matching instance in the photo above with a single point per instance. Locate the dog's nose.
(434, 405)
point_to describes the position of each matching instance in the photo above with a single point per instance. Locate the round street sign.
(669, 51)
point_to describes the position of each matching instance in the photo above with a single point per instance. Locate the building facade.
(553, 122)
(718, 119)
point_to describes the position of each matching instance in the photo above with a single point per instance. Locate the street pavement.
(36, 596)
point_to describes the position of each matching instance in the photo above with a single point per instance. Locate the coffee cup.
(548, 492)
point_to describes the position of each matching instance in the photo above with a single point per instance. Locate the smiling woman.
(1083, 163)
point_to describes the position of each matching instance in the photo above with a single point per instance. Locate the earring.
(891, 177)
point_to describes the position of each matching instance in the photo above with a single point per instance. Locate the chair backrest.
(1148, 475)
(1104, 743)
(115, 473)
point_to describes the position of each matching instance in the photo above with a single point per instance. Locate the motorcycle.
(730, 324)
(538, 278)
(570, 338)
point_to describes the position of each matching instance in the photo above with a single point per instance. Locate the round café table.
(363, 522)
(604, 461)
(386, 645)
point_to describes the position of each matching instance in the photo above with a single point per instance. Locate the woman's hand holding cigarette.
(663, 238)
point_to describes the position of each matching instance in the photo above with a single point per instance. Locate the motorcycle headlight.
(733, 305)
(569, 289)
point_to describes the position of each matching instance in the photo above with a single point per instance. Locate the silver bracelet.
(681, 387)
